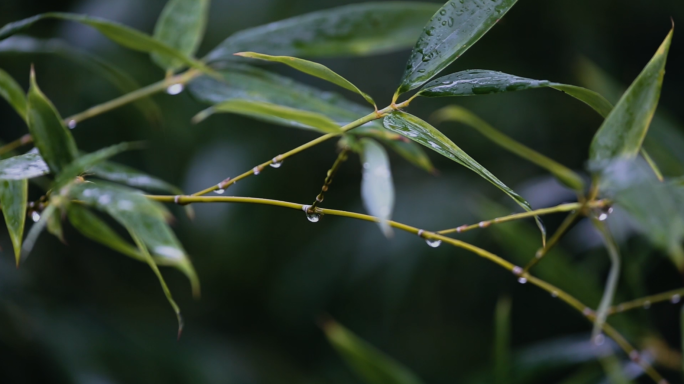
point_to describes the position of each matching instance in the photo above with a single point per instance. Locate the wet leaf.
(411, 152)
(351, 30)
(273, 113)
(26, 166)
(119, 33)
(13, 93)
(377, 187)
(50, 135)
(311, 68)
(87, 161)
(181, 26)
(476, 82)
(113, 74)
(461, 115)
(143, 217)
(623, 131)
(423, 133)
(451, 31)
(371, 365)
(129, 176)
(13, 199)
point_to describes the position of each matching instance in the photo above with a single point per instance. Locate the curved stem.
(587, 312)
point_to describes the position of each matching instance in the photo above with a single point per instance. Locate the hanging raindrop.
(433, 243)
(71, 124)
(220, 189)
(257, 171)
(676, 298)
(522, 280)
(605, 212)
(175, 89)
(35, 216)
(275, 163)
(311, 216)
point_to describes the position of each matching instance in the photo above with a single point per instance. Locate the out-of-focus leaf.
(26, 166)
(97, 230)
(13, 198)
(51, 136)
(451, 31)
(119, 33)
(13, 93)
(651, 163)
(410, 151)
(657, 207)
(113, 74)
(141, 216)
(462, 115)
(311, 68)
(623, 131)
(502, 341)
(423, 133)
(84, 162)
(54, 225)
(36, 229)
(475, 82)
(181, 26)
(126, 175)
(611, 281)
(273, 113)
(377, 188)
(371, 365)
(351, 30)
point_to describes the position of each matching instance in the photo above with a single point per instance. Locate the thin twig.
(569, 220)
(674, 296)
(329, 179)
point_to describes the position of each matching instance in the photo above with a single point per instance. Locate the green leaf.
(54, 225)
(87, 161)
(611, 281)
(26, 166)
(476, 82)
(351, 30)
(51, 136)
(181, 26)
(113, 74)
(126, 175)
(13, 198)
(461, 115)
(502, 341)
(13, 93)
(118, 33)
(623, 131)
(451, 31)
(410, 151)
(370, 364)
(36, 230)
(377, 187)
(311, 68)
(423, 133)
(273, 113)
(141, 216)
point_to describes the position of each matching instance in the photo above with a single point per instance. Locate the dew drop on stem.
(175, 89)
(220, 190)
(35, 216)
(275, 163)
(676, 298)
(72, 124)
(522, 280)
(433, 243)
(311, 216)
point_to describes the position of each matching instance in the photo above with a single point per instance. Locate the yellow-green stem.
(674, 296)
(555, 238)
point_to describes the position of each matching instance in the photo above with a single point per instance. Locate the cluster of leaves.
(231, 82)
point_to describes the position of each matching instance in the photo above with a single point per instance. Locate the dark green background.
(79, 313)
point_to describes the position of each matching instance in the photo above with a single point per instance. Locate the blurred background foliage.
(80, 313)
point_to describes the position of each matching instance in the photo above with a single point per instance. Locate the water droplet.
(517, 270)
(220, 190)
(647, 304)
(554, 294)
(257, 171)
(599, 339)
(603, 217)
(71, 124)
(35, 216)
(676, 298)
(275, 163)
(433, 243)
(604, 213)
(311, 216)
(522, 280)
(175, 89)
(450, 22)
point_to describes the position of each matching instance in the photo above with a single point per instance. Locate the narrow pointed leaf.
(623, 131)
(51, 136)
(87, 161)
(13, 93)
(611, 282)
(111, 73)
(370, 365)
(36, 230)
(181, 26)
(423, 133)
(26, 166)
(272, 113)
(13, 198)
(351, 30)
(119, 33)
(130, 176)
(140, 215)
(476, 82)
(311, 68)
(411, 152)
(451, 31)
(461, 115)
(377, 187)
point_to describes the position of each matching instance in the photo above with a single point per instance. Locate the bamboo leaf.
(13, 93)
(311, 68)
(132, 177)
(26, 166)
(623, 131)
(13, 198)
(423, 133)
(51, 136)
(377, 187)
(87, 161)
(118, 33)
(461, 115)
(476, 82)
(181, 25)
(451, 31)
(36, 230)
(273, 113)
(143, 217)
(351, 30)
(611, 282)
(410, 151)
(371, 365)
